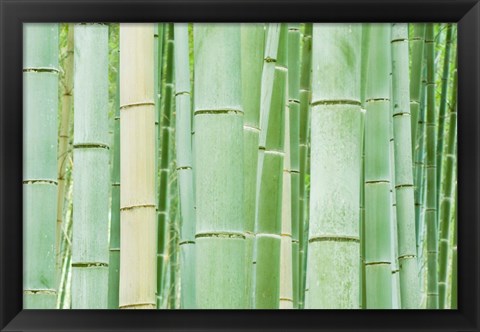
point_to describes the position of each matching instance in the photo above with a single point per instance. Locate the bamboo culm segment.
(184, 166)
(253, 44)
(91, 176)
(40, 104)
(333, 251)
(409, 284)
(137, 174)
(378, 257)
(220, 240)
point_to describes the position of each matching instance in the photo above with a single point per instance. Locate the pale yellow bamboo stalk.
(137, 170)
(286, 276)
(67, 90)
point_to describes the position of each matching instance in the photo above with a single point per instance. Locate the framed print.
(212, 161)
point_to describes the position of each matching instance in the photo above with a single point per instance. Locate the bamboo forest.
(239, 166)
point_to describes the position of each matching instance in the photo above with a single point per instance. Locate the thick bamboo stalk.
(305, 97)
(91, 177)
(220, 232)
(184, 166)
(40, 105)
(137, 175)
(443, 107)
(165, 139)
(294, 148)
(446, 204)
(63, 140)
(269, 215)
(378, 206)
(333, 251)
(430, 168)
(405, 212)
(253, 44)
(114, 259)
(417, 42)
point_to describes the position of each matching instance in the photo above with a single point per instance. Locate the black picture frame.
(15, 12)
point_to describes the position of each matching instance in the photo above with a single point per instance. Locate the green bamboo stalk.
(269, 215)
(305, 97)
(184, 166)
(114, 259)
(220, 232)
(447, 195)
(286, 252)
(454, 282)
(362, 289)
(442, 108)
(377, 171)
(91, 176)
(405, 212)
(163, 202)
(40, 105)
(430, 168)
(268, 76)
(294, 135)
(417, 42)
(253, 44)
(63, 141)
(137, 175)
(333, 251)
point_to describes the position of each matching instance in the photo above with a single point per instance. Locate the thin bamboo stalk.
(184, 166)
(449, 159)
(63, 140)
(405, 212)
(417, 43)
(305, 96)
(294, 142)
(40, 105)
(378, 206)
(114, 259)
(137, 174)
(454, 282)
(430, 168)
(333, 251)
(442, 108)
(163, 197)
(269, 216)
(220, 231)
(253, 45)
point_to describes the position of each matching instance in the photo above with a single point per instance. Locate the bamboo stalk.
(40, 105)
(378, 206)
(405, 212)
(442, 109)
(63, 140)
(184, 166)
(91, 175)
(454, 282)
(114, 259)
(137, 174)
(449, 159)
(163, 201)
(220, 232)
(333, 250)
(305, 96)
(253, 45)
(294, 142)
(430, 168)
